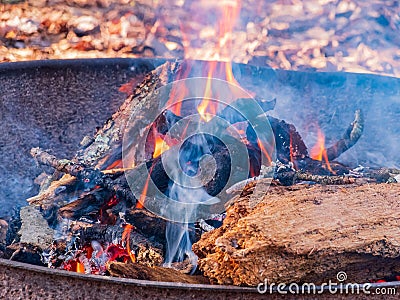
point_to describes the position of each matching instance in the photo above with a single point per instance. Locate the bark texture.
(306, 234)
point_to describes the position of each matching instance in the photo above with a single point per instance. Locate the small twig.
(89, 177)
(62, 165)
(324, 179)
(350, 137)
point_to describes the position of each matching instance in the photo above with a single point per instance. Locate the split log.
(142, 272)
(306, 234)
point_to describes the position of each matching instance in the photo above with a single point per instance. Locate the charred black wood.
(350, 137)
(290, 146)
(147, 223)
(147, 251)
(25, 253)
(87, 203)
(220, 154)
(290, 176)
(88, 177)
(321, 168)
(381, 175)
(9, 228)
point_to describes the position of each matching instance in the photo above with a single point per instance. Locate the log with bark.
(306, 234)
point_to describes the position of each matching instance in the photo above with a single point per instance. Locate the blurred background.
(322, 35)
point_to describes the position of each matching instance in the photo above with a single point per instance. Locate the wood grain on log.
(306, 234)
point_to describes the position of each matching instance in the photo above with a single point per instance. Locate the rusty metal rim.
(154, 284)
(63, 63)
(122, 63)
(135, 282)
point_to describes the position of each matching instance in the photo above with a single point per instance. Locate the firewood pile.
(338, 35)
(88, 218)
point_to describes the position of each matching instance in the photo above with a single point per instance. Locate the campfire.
(175, 167)
(194, 179)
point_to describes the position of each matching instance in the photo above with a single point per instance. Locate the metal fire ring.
(24, 281)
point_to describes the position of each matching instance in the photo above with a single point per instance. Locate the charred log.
(107, 141)
(87, 203)
(148, 252)
(88, 178)
(147, 223)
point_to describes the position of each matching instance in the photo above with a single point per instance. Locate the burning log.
(146, 251)
(81, 178)
(106, 146)
(147, 223)
(96, 186)
(306, 234)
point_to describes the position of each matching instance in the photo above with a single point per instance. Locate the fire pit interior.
(93, 135)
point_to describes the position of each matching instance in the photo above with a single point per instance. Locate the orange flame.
(142, 198)
(160, 146)
(80, 268)
(230, 11)
(206, 108)
(291, 148)
(115, 165)
(263, 150)
(318, 152)
(126, 237)
(178, 92)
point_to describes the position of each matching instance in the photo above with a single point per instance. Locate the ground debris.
(352, 36)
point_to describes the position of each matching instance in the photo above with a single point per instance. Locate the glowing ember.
(92, 258)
